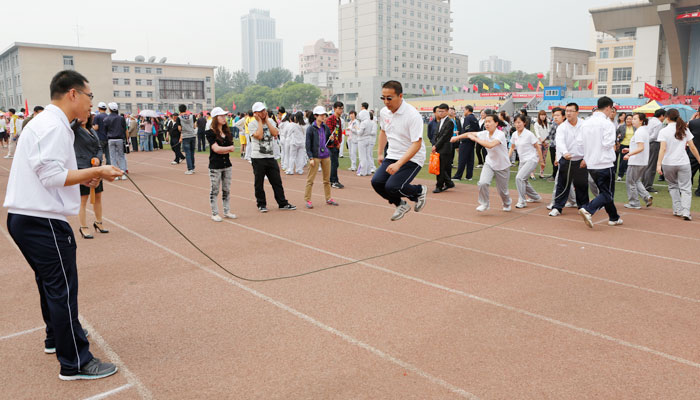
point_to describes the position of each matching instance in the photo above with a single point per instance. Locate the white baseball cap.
(217, 111)
(102, 105)
(320, 110)
(259, 106)
(20, 114)
(113, 106)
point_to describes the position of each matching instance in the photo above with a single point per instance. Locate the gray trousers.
(650, 171)
(635, 187)
(116, 153)
(526, 190)
(220, 178)
(680, 187)
(502, 178)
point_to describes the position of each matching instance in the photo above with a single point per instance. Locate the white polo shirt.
(496, 157)
(43, 157)
(524, 143)
(402, 128)
(675, 149)
(641, 135)
(569, 139)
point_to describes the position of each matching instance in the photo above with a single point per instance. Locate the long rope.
(315, 271)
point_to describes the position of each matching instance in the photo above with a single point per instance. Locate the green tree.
(222, 81)
(298, 95)
(274, 78)
(299, 79)
(480, 80)
(240, 81)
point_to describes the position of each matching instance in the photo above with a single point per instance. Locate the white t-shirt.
(261, 148)
(497, 157)
(403, 128)
(641, 135)
(524, 143)
(675, 149)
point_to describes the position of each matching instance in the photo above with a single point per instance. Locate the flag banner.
(424, 92)
(506, 86)
(590, 86)
(483, 85)
(540, 85)
(465, 88)
(495, 86)
(234, 105)
(529, 86)
(576, 85)
(515, 95)
(476, 88)
(444, 91)
(654, 93)
(455, 88)
(433, 90)
(518, 86)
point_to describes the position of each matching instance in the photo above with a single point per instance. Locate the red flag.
(234, 105)
(529, 86)
(476, 88)
(26, 107)
(590, 86)
(424, 91)
(654, 93)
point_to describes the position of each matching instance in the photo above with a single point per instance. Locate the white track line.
(109, 393)
(439, 287)
(501, 227)
(13, 335)
(475, 250)
(307, 318)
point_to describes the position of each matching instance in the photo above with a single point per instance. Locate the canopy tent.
(684, 111)
(648, 108)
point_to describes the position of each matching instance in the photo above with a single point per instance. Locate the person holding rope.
(41, 191)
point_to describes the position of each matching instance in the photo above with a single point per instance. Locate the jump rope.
(315, 271)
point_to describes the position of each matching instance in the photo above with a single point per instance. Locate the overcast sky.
(209, 33)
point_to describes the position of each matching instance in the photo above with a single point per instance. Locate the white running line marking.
(436, 286)
(579, 274)
(109, 393)
(309, 319)
(22, 333)
(114, 357)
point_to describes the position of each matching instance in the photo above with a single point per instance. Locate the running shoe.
(506, 208)
(230, 215)
(94, 369)
(288, 207)
(401, 210)
(216, 218)
(649, 201)
(613, 223)
(633, 207)
(262, 209)
(521, 205)
(587, 219)
(482, 208)
(420, 203)
(331, 202)
(554, 213)
(309, 205)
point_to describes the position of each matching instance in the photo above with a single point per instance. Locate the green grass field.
(661, 199)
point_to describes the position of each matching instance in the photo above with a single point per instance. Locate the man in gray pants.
(655, 124)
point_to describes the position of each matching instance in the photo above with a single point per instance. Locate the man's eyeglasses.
(386, 98)
(90, 95)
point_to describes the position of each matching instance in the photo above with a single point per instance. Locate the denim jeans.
(220, 178)
(188, 148)
(145, 142)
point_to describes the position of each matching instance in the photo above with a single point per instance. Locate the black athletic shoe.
(262, 209)
(95, 369)
(52, 349)
(288, 207)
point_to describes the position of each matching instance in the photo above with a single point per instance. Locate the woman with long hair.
(296, 141)
(530, 154)
(542, 131)
(87, 147)
(674, 162)
(220, 141)
(637, 157)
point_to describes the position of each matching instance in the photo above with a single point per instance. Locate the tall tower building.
(404, 40)
(261, 50)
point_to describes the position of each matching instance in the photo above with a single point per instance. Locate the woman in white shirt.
(674, 161)
(365, 142)
(637, 157)
(541, 132)
(497, 162)
(350, 134)
(296, 144)
(530, 154)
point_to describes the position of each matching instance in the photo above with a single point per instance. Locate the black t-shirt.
(216, 160)
(694, 127)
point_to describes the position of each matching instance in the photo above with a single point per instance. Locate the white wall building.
(495, 64)
(404, 40)
(261, 50)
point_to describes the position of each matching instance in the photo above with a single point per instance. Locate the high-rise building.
(495, 64)
(262, 51)
(404, 40)
(318, 63)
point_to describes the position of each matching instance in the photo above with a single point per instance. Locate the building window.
(148, 70)
(603, 75)
(159, 71)
(208, 78)
(127, 81)
(116, 93)
(181, 89)
(149, 94)
(126, 69)
(115, 81)
(623, 51)
(620, 89)
(139, 93)
(602, 89)
(114, 68)
(68, 62)
(139, 106)
(208, 101)
(137, 70)
(604, 52)
(622, 74)
(139, 82)
(149, 82)
(127, 93)
(208, 90)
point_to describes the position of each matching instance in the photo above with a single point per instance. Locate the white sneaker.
(619, 179)
(569, 204)
(554, 213)
(401, 210)
(352, 168)
(189, 172)
(216, 218)
(537, 200)
(550, 206)
(613, 223)
(173, 163)
(627, 205)
(521, 205)
(587, 219)
(506, 208)
(420, 203)
(482, 208)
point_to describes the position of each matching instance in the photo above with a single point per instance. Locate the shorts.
(243, 139)
(85, 190)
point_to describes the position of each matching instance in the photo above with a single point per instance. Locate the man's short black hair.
(282, 110)
(395, 85)
(559, 110)
(22, 110)
(470, 108)
(338, 104)
(605, 102)
(182, 108)
(250, 113)
(175, 114)
(574, 105)
(12, 110)
(435, 109)
(64, 81)
(38, 108)
(443, 106)
(660, 113)
(365, 105)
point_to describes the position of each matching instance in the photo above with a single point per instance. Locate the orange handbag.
(434, 167)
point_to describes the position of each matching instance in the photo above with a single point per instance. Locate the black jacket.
(86, 146)
(312, 137)
(444, 134)
(471, 124)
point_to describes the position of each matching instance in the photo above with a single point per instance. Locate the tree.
(274, 78)
(480, 80)
(222, 81)
(299, 79)
(299, 95)
(240, 81)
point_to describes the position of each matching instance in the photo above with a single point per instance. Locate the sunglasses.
(386, 98)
